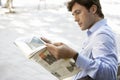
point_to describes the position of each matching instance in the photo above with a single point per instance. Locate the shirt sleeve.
(103, 62)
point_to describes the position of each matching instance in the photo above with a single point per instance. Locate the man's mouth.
(80, 24)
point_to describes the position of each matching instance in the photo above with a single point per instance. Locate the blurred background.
(48, 18)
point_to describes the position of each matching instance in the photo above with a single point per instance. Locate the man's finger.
(52, 49)
(46, 40)
(58, 44)
(50, 46)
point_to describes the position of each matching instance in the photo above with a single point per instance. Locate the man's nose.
(76, 19)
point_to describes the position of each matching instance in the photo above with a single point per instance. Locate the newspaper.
(34, 48)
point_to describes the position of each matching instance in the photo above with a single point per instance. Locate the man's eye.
(77, 12)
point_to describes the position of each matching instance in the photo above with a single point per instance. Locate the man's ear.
(93, 9)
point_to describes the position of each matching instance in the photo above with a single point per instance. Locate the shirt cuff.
(82, 61)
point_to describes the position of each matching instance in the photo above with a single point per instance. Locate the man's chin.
(82, 28)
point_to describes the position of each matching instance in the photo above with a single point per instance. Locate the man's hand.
(59, 50)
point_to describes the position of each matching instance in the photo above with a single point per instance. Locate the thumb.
(51, 47)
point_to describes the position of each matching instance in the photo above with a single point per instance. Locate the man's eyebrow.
(74, 12)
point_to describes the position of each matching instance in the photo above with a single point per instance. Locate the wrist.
(75, 56)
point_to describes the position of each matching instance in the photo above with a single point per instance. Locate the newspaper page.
(61, 69)
(29, 45)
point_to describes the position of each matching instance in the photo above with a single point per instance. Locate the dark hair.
(87, 4)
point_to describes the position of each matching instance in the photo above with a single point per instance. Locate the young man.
(0, 3)
(97, 58)
(9, 5)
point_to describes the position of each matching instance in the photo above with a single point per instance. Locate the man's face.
(84, 17)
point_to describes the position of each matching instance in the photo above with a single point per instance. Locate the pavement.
(53, 22)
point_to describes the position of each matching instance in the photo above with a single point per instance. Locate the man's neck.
(98, 19)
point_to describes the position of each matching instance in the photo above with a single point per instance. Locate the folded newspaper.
(34, 48)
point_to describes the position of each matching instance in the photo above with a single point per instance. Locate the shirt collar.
(96, 26)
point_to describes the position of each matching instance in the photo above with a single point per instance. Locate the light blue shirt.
(98, 56)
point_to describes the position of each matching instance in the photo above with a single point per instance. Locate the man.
(98, 56)
(0, 3)
(9, 5)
